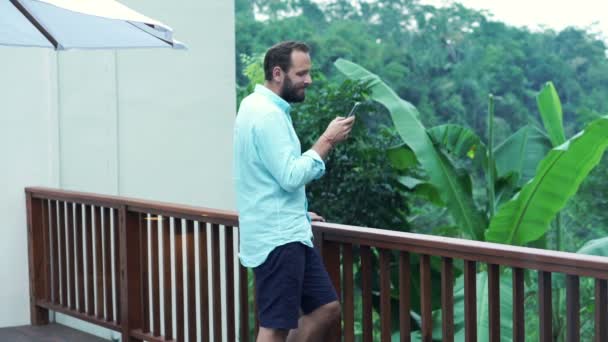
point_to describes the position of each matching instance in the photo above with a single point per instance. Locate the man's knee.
(332, 311)
(271, 335)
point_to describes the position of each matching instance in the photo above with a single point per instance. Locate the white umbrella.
(80, 24)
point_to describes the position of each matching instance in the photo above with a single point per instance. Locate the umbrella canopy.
(80, 24)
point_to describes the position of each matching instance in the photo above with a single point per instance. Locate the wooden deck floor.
(46, 333)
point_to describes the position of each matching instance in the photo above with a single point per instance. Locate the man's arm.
(279, 154)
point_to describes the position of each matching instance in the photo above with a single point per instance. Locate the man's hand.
(337, 131)
(315, 218)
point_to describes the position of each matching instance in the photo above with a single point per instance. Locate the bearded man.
(295, 297)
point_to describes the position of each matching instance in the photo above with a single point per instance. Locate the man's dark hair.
(280, 55)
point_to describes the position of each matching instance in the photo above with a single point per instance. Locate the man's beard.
(290, 94)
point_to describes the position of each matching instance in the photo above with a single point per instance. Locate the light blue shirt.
(270, 173)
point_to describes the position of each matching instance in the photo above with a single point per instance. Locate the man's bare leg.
(271, 335)
(314, 326)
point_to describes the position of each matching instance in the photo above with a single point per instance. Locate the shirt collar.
(276, 99)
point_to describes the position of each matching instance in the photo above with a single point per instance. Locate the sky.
(533, 14)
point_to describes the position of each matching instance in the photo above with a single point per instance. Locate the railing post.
(130, 273)
(330, 252)
(38, 246)
(425, 298)
(573, 308)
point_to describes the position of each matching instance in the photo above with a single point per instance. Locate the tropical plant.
(526, 216)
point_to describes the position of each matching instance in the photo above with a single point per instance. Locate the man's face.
(297, 79)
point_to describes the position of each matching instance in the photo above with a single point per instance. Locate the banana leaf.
(527, 215)
(422, 188)
(401, 157)
(595, 247)
(458, 140)
(550, 109)
(520, 154)
(442, 173)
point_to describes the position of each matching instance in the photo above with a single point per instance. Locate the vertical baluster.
(63, 252)
(215, 275)
(573, 307)
(348, 306)
(366, 289)
(404, 296)
(107, 264)
(145, 278)
(71, 277)
(80, 257)
(229, 255)
(601, 307)
(117, 257)
(470, 301)
(544, 306)
(155, 275)
(385, 295)
(179, 280)
(167, 283)
(203, 280)
(89, 262)
(494, 302)
(518, 305)
(54, 251)
(425, 298)
(191, 279)
(447, 300)
(98, 265)
(47, 248)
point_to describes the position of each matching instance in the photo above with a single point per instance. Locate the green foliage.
(550, 109)
(454, 184)
(527, 217)
(511, 162)
(595, 247)
(443, 60)
(459, 141)
(254, 73)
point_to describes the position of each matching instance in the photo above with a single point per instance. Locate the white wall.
(153, 124)
(28, 151)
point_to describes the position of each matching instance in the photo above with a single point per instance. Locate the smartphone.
(352, 111)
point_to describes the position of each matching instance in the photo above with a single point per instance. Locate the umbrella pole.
(35, 22)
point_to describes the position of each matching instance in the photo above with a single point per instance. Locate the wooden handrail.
(485, 252)
(137, 205)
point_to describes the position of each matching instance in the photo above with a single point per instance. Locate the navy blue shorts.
(293, 277)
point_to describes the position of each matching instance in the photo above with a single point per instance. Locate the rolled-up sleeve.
(279, 153)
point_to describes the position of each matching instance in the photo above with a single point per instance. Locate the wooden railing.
(337, 243)
(158, 272)
(151, 271)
